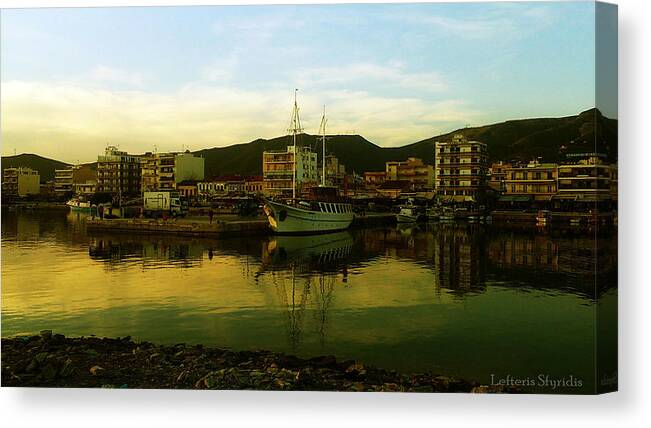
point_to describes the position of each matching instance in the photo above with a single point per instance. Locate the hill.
(523, 139)
(44, 166)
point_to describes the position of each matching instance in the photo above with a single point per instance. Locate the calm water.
(463, 300)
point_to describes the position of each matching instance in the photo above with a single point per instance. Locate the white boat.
(408, 214)
(432, 213)
(308, 216)
(322, 212)
(77, 204)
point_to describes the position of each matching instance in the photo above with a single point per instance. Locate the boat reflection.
(304, 271)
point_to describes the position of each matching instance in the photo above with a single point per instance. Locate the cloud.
(63, 120)
(102, 73)
(503, 21)
(361, 75)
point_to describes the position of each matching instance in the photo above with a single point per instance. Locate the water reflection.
(313, 264)
(462, 299)
(151, 254)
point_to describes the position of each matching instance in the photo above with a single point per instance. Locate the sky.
(73, 80)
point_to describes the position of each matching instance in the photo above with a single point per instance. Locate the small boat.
(410, 212)
(433, 213)
(76, 204)
(447, 214)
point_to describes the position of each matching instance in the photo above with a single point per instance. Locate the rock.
(487, 389)
(356, 369)
(96, 370)
(357, 386)
(50, 370)
(325, 361)
(40, 357)
(46, 334)
(67, 368)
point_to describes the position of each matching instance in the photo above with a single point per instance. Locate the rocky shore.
(53, 360)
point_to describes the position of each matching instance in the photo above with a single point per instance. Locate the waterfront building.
(187, 189)
(20, 182)
(63, 182)
(278, 167)
(223, 185)
(394, 188)
(536, 180)
(497, 176)
(335, 172)
(420, 175)
(588, 180)
(461, 170)
(157, 171)
(188, 167)
(253, 184)
(162, 171)
(87, 188)
(118, 172)
(67, 179)
(373, 179)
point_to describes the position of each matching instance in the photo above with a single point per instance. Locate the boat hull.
(286, 219)
(405, 218)
(80, 206)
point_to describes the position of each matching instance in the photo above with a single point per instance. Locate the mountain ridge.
(550, 138)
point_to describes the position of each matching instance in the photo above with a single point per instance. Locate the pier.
(221, 226)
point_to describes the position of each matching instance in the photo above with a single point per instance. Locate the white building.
(278, 166)
(20, 182)
(188, 167)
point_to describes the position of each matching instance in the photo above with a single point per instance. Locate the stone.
(356, 369)
(46, 334)
(67, 368)
(96, 370)
(40, 357)
(50, 370)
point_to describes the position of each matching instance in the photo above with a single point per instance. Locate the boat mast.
(295, 129)
(323, 142)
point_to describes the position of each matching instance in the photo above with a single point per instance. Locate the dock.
(181, 227)
(218, 228)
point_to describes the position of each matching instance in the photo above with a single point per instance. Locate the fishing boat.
(407, 214)
(433, 213)
(76, 204)
(321, 211)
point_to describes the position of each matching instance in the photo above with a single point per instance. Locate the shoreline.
(53, 360)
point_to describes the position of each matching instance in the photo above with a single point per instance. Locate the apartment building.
(497, 176)
(118, 172)
(278, 167)
(461, 168)
(536, 180)
(373, 179)
(20, 182)
(588, 180)
(70, 179)
(419, 175)
(163, 171)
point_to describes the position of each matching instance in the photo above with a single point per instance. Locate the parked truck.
(159, 204)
